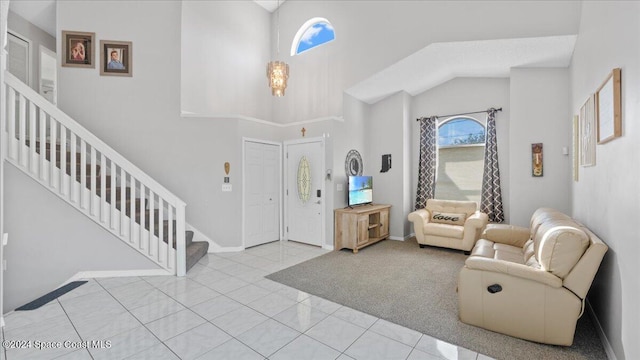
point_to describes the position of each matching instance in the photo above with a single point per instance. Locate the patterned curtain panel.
(427, 165)
(491, 202)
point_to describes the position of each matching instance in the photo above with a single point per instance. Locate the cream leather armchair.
(530, 283)
(448, 223)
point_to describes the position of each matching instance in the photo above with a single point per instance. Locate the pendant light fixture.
(278, 71)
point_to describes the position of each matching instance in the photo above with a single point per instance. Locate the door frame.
(323, 202)
(246, 140)
(47, 51)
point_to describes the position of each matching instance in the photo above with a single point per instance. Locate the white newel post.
(181, 246)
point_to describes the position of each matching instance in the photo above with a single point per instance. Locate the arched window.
(461, 131)
(314, 32)
(460, 159)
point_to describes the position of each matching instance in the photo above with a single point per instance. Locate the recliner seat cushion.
(451, 231)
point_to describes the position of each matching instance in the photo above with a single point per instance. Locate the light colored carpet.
(416, 288)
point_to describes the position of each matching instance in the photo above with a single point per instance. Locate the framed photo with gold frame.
(609, 108)
(116, 58)
(77, 49)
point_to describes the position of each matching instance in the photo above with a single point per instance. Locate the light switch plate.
(227, 187)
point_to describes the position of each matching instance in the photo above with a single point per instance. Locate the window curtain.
(427, 165)
(491, 201)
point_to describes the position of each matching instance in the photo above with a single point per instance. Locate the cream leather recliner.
(448, 223)
(530, 283)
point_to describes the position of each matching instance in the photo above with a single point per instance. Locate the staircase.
(96, 180)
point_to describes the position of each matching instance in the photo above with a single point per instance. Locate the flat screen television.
(360, 190)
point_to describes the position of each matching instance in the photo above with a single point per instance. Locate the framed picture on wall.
(77, 49)
(609, 108)
(588, 132)
(576, 147)
(116, 58)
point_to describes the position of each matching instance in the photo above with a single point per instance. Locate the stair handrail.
(90, 138)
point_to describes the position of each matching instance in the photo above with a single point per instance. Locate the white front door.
(304, 211)
(262, 195)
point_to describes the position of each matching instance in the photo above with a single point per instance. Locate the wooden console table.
(360, 226)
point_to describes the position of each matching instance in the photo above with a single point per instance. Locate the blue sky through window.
(316, 35)
(461, 131)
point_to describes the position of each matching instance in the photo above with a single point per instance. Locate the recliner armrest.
(419, 217)
(513, 269)
(506, 234)
(477, 220)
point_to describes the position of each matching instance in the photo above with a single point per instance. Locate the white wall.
(461, 95)
(539, 114)
(384, 131)
(225, 42)
(50, 241)
(606, 197)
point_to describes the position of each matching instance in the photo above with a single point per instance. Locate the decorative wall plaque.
(353, 163)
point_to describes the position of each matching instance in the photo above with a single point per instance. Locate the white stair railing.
(63, 156)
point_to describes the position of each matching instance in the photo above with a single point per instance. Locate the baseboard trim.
(226, 249)
(398, 238)
(603, 337)
(213, 246)
(328, 247)
(117, 273)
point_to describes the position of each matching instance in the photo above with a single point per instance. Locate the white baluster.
(73, 165)
(103, 188)
(132, 207)
(152, 243)
(43, 145)
(170, 237)
(83, 173)
(143, 207)
(112, 183)
(63, 158)
(160, 226)
(33, 164)
(123, 203)
(52, 150)
(22, 131)
(94, 174)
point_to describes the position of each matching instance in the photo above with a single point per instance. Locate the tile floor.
(223, 309)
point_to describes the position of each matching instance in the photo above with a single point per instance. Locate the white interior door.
(262, 195)
(304, 217)
(48, 76)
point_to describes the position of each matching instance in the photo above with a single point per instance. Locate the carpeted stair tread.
(195, 251)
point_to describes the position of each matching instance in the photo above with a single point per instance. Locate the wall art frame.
(609, 107)
(116, 58)
(576, 147)
(78, 49)
(536, 160)
(588, 132)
